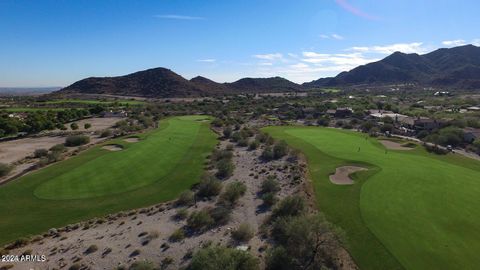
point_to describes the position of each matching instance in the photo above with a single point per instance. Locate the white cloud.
(476, 42)
(337, 37)
(414, 47)
(207, 60)
(178, 17)
(332, 36)
(453, 43)
(311, 65)
(270, 56)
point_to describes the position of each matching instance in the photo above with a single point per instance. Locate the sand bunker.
(394, 145)
(112, 147)
(131, 140)
(341, 176)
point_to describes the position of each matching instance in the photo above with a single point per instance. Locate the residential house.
(471, 134)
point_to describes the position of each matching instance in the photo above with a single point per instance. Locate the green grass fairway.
(411, 209)
(161, 165)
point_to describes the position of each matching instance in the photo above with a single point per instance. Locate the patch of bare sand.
(97, 123)
(112, 147)
(341, 176)
(394, 145)
(132, 140)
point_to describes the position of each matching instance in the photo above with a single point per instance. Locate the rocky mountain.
(264, 85)
(457, 67)
(163, 83)
(156, 82)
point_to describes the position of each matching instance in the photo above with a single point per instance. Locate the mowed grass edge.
(24, 214)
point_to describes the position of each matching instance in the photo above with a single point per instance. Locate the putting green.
(411, 209)
(157, 168)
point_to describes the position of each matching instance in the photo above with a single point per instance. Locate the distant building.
(422, 123)
(340, 112)
(471, 134)
(473, 108)
(380, 114)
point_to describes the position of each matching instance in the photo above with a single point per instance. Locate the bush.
(54, 157)
(77, 140)
(227, 132)
(40, 153)
(243, 142)
(302, 241)
(106, 133)
(267, 154)
(199, 220)
(270, 185)
(221, 215)
(214, 258)
(5, 169)
(290, 206)
(269, 199)
(280, 149)
(225, 168)
(87, 125)
(181, 214)
(209, 186)
(144, 265)
(218, 155)
(187, 198)
(74, 126)
(233, 191)
(243, 233)
(253, 145)
(177, 235)
(60, 148)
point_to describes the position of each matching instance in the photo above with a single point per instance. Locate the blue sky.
(54, 43)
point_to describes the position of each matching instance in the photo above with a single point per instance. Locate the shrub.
(209, 186)
(227, 132)
(54, 157)
(181, 214)
(200, 220)
(243, 233)
(270, 185)
(74, 126)
(253, 145)
(214, 258)
(77, 140)
(267, 154)
(5, 169)
(87, 125)
(233, 192)
(177, 235)
(40, 153)
(290, 206)
(280, 149)
(166, 262)
(269, 199)
(221, 215)
(106, 133)
(243, 142)
(187, 198)
(144, 265)
(302, 241)
(218, 155)
(60, 148)
(225, 168)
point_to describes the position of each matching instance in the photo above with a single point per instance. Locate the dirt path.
(341, 176)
